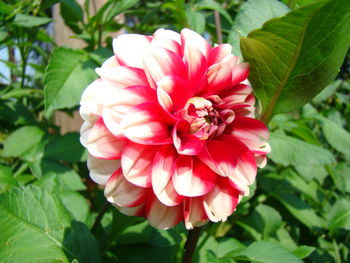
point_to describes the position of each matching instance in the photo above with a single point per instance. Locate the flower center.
(206, 117)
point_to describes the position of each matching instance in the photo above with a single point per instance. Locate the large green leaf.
(57, 177)
(22, 141)
(268, 252)
(66, 148)
(287, 150)
(263, 222)
(69, 72)
(337, 136)
(196, 20)
(294, 57)
(36, 227)
(252, 15)
(300, 209)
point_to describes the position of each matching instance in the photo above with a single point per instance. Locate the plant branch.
(99, 217)
(218, 27)
(191, 243)
(12, 58)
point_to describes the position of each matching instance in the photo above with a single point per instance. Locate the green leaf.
(30, 21)
(300, 210)
(144, 233)
(252, 15)
(6, 179)
(77, 205)
(328, 91)
(58, 177)
(213, 5)
(298, 3)
(118, 7)
(311, 172)
(294, 57)
(69, 72)
(268, 252)
(71, 13)
(340, 175)
(336, 136)
(305, 133)
(36, 227)
(339, 215)
(196, 20)
(66, 148)
(262, 223)
(287, 150)
(3, 34)
(303, 251)
(22, 141)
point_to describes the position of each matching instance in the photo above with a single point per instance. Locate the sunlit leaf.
(36, 227)
(65, 79)
(294, 57)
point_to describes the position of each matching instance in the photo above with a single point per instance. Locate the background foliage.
(50, 211)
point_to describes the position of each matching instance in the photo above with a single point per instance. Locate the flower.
(170, 129)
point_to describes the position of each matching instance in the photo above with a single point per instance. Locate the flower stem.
(218, 27)
(99, 217)
(191, 243)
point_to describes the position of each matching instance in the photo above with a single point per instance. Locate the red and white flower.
(170, 129)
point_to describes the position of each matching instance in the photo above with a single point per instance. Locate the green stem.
(218, 27)
(99, 217)
(336, 249)
(191, 244)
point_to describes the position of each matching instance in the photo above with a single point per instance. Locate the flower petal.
(220, 157)
(219, 54)
(219, 77)
(221, 202)
(192, 177)
(194, 213)
(189, 37)
(121, 101)
(160, 62)
(101, 169)
(90, 104)
(173, 93)
(252, 133)
(133, 211)
(236, 96)
(169, 34)
(136, 161)
(161, 176)
(99, 141)
(196, 64)
(122, 193)
(162, 216)
(245, 172)
(184, 142)
(111, 62)
(130, 48)
(167, 39)
(121, 77)
(146, 123)
(239, 73)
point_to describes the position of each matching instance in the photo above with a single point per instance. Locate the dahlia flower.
(170, 129)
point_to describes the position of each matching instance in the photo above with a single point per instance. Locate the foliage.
(50, 211)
